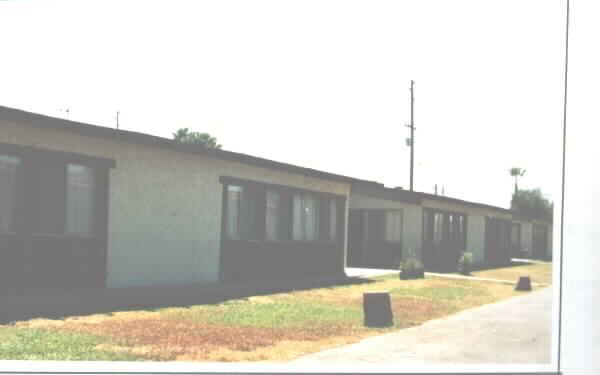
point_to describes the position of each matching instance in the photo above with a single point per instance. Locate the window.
(9, 167)
(241, 213)
(437, 228)
(393, 226)
(272, 216)
(427, 226)
(305, 217)
(51, 198)
(81, 205)
(333, 220)
(234, 197)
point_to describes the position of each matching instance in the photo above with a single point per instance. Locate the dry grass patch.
(166, 339)
(539, 273)
(276, 327)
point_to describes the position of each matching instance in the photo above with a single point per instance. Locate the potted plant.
(465, 263)
(411, 268)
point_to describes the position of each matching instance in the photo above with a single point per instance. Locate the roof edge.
(85, 129)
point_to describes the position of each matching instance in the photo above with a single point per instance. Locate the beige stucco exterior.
(475, 223)
(412, 218)
(164, 206)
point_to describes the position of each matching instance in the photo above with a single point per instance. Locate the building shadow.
(53, 304)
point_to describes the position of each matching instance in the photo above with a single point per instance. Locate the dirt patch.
(171, 339)
(411, 311)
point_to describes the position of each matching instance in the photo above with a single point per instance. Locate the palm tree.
(516, 173)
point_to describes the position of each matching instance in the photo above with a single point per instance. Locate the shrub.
(465, 263)
(411, 264)
(411, 267)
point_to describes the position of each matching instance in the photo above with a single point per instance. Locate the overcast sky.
(321, 84)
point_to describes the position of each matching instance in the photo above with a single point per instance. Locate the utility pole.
(412, 134)
(117, 119)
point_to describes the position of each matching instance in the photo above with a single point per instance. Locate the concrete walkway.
(514, 331)
(371, 272)
(451, 276)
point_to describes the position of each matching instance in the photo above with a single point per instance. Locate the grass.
(44, 344)
(539, 273)
(276, 327)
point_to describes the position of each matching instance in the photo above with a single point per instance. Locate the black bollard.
(524, 284)
(377, 309)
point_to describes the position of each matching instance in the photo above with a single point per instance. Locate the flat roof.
(378, 190)
(463, 202)
(80, 128)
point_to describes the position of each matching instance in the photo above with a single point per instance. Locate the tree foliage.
(184, 135)
(531, 204)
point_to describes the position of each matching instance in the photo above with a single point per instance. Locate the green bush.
(465, 263)
(411, 262)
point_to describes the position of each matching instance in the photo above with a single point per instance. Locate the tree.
(531, 204)
(516, 173)
(184, 135)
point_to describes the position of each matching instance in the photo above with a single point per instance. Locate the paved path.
(372, 272)
(451, 276)
(514, 331)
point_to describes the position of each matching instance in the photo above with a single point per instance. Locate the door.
(355, 238)
(540, 241)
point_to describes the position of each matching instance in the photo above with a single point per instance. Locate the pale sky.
(321, 84)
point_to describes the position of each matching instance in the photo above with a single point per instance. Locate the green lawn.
(276, 327)
(50, 345)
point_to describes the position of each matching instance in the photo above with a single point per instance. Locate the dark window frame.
(33, 159)
(446, 235)
(286, 194)
(16, 215)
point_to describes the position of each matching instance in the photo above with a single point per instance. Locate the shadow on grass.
(66, 303)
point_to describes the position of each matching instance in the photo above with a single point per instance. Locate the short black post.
(377, 309)
(524, 284)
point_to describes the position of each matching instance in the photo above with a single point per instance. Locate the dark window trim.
(228, 180)
(401, 226)
(284, 189)
(431, 211)
(60, 156)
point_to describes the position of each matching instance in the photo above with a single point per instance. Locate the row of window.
(269, 214)
(442, 226)
(63, 197)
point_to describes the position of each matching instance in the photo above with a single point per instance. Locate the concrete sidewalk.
(373, 272)
(514, 331)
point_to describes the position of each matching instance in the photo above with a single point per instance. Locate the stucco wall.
(164, 206)
(412, 218)
(476, 237)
